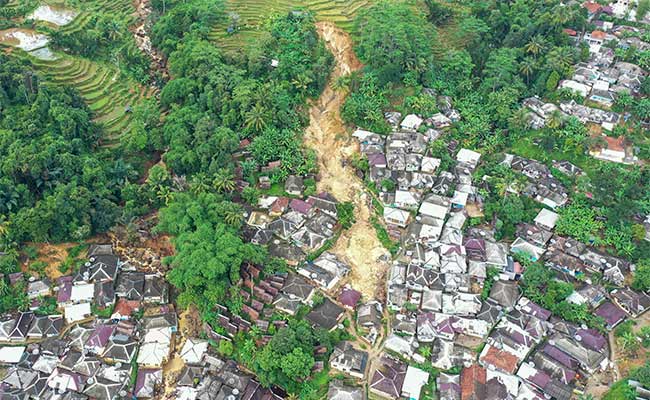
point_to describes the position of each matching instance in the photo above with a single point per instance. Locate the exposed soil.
(141, 34)
(326, 135)
(52, 254)
(188, 326)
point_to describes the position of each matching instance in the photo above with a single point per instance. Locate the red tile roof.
(615, 144)
(472, 380)
(598, 34)
(501, 359)
(570, 32)
(592, 6)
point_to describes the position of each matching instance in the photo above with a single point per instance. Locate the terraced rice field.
(107, 93)
(254, 13)
(101, 86)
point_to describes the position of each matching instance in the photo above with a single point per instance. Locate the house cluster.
(74, 354)
(206, 376)
(541, 185)
(293, 227)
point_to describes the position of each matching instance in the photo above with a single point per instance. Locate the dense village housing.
(341, 200)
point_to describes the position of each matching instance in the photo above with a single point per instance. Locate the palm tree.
(200, 183)
(4, 227)
(560, 59)
(302, 82)
(536, 45)
(233, 216)
(527, 67)
(224, 181)
(256, 118)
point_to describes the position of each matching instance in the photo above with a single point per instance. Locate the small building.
(347, 359)
(388, 379)
(294, 185)
(546, 219)
(414, 380)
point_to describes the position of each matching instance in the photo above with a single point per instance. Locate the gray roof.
(339, 391)
(505, 294)
(326, 315)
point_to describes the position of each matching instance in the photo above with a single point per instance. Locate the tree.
(642, 9)
(256, 118)
(642, 109)
(527, 68)
(438, 13)
(536, 45)
(630, 343)
(642, 276)
(224, 181)
(393, 39)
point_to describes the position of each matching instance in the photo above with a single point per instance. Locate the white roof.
(429, 164)
(433, 210)
(460, 198)
(396, 214)
(411, 121)
(361, 134)
(405, 197)
(547, 218)
(266, 202)
(193, 350)
(468, 156)
(83, 292)
(413, 381)
(76, 312)
(576, 87)
(11, 355)
(153, 353)
(159, 335)
(601, 85)
(522, 246)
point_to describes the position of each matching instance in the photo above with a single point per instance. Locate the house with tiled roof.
(388, 379)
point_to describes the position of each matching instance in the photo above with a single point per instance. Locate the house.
(505, 294)
(388, 379)
(98, 338)
(193, 350)
(468, 157)
(82, 293)
(632, 302)
(326, 315)
(349, 298)
(11, 355)
(500, 359)
(294, 185)
(575, 87)
(147, 383)
(153, 354)
(101, 388)
(448, 386)
(411, 122)
(38, 288)
(435, 206)
(20, 329)
(524, 248)
(296, 287)
(591, 361)
(439, 121)
(614, 149)
(77, 312)
(369, 315)
(611, 313)
(130, 285)
(546, 219)
(339, 391)
(104, 294)
(395, 216)
(103, 267)
(406, 200)
(120, 348)
(347, 359)
(414, 380)
(326, 270)
(46, 326)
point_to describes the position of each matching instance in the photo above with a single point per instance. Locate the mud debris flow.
(326, 135)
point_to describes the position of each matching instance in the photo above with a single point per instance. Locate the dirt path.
(326, 134)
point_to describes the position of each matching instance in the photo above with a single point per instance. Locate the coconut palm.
(629, 342)
(256, 118)
(224, 181)
(527, 68)
(536, 45)
(302, 82)
(560, 59)
(200, 183)
(233, 216)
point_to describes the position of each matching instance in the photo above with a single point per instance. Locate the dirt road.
(326, 134)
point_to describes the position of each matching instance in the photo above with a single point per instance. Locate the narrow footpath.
(326, 135)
